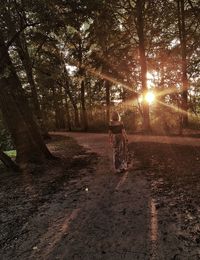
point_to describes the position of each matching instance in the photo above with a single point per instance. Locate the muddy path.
(80, 209)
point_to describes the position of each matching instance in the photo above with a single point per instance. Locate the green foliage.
(11, 153)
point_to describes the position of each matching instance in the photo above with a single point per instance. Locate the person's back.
(116, 127)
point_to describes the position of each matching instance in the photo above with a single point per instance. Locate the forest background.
(65, 65)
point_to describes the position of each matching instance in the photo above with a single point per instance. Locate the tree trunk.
(143, 64)
(58, 108)
(67, 112)
(22, 50)
(62, 122)
(76, 114)
(17, 114)
(185, 83)
(84, 112)
(107, 85)
(8, 162)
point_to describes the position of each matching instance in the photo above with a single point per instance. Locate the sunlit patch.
(54, 234)
(140, 99)
(154, 221)
(150, 76)
(150, 80)
(153, 229)
(122, 180)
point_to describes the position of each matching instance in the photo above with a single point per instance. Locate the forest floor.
(77, 208)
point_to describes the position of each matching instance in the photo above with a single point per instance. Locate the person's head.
(115, 116)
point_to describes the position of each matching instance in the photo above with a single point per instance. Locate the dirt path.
(117, 219)
(98, 142)
(122, 217)
(79, 209)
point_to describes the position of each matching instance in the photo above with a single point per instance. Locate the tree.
(14, 17)
(16, 112)
(143, 63)
(185, 83)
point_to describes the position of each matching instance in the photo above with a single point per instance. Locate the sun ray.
(168, 91)
(101, 75)
(178, 109)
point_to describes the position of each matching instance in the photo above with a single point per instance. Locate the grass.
(11, 153)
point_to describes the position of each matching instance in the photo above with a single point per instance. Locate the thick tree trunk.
(143, 64)
(16, 112)
(185, 83)
(8, 162)
(22, 50)
(83, 107)
(107, 86)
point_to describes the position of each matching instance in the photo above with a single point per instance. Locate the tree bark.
(17, 114)
(22, 49)
(143, 63)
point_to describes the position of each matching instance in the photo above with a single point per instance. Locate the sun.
(149, 97)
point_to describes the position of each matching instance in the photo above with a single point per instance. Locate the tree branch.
(196, 13)
(10, 42)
